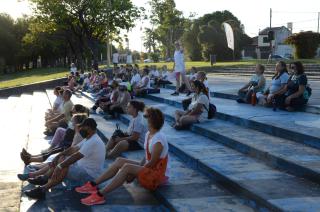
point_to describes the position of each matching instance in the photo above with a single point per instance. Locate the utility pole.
(268, 34)
(318, 21)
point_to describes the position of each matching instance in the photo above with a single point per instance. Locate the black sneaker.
(48, 133)
(240, 101)
(36, 193)
(189, 93)
(175, 94)
(23, 177)
(40, 180)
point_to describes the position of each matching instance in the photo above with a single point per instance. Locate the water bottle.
(253, 99)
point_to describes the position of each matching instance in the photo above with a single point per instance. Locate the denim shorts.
(78, 174)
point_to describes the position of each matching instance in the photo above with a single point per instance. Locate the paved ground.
(230, 84)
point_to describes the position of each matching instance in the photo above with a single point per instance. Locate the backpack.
(211, 111)
(118, 132)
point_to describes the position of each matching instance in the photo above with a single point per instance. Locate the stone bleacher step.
(183, 180)
(267, 187)
(127, 198)
(297, 159)
(14, 125)
(299, 127)
(188, 190)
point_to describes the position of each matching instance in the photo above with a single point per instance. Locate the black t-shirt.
(295, 81)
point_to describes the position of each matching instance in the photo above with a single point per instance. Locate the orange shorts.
(150, 178)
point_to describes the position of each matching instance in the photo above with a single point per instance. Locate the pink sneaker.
(87, 189)
(93, 199)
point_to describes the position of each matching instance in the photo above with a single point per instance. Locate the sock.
(93, 183)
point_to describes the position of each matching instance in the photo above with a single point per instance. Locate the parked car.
(278, 57)
(147, 61)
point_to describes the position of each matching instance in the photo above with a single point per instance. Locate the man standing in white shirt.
(179, 69)
(115, 59)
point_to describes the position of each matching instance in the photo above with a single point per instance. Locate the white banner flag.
(229, 35)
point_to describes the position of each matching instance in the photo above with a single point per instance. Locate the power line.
(294, 12)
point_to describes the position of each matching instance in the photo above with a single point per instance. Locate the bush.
(155, 57)
(305, 43)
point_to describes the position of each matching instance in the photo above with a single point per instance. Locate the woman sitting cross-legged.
(297, 90)
(135, 134)
(150, 172)
(198, 109)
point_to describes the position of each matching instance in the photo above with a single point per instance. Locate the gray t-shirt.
(277, 83)
(138, 125)
(204, 101)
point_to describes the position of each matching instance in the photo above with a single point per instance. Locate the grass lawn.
(31, 76)
(37, 75)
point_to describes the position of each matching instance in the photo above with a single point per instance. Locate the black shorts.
(134, 145)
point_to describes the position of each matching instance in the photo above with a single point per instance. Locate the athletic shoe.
(23, 177)
(189, 93)
(87, 189)
(32, 168)
(93, 199)
(36, 193)
(40, 180)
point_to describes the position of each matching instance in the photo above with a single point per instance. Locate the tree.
(88, 21)
(168, 24)
(206, 36)
(150, 40)
(305, 43)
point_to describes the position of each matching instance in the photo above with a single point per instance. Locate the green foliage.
(206, 36)
(168, 23)
(305, 43)
(155, 57)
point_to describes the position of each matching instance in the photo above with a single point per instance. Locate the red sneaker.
(87, 189)
(93, 199)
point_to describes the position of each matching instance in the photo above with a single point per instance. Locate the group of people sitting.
(77, 153)
(289, 90)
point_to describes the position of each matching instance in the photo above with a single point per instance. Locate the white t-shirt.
(154, 73)
(129, 59)
(206, 83)
(143, 81)
(138, 124)
(115, 58)
(135, 79)
(58, 102)
(94, 152)
(73, 70)
(277, 83)
(179, 61)
(158, 137)
(201, 99)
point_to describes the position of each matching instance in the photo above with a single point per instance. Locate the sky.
(254, 14)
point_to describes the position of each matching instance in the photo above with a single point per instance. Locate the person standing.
(179, 69)
(115, 59)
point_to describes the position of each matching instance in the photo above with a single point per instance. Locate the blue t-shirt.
(276, 83)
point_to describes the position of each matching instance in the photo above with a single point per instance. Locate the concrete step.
(244, 175)
(14, 125)
(299, 126)
(295, 158)
(129, 197)
(179, 194)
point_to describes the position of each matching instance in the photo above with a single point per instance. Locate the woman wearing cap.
(120, 106)
(150, 172)
(179, 68)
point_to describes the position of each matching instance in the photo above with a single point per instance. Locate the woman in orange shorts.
(150, 172)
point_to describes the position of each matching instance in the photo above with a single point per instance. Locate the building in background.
(278, 44)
